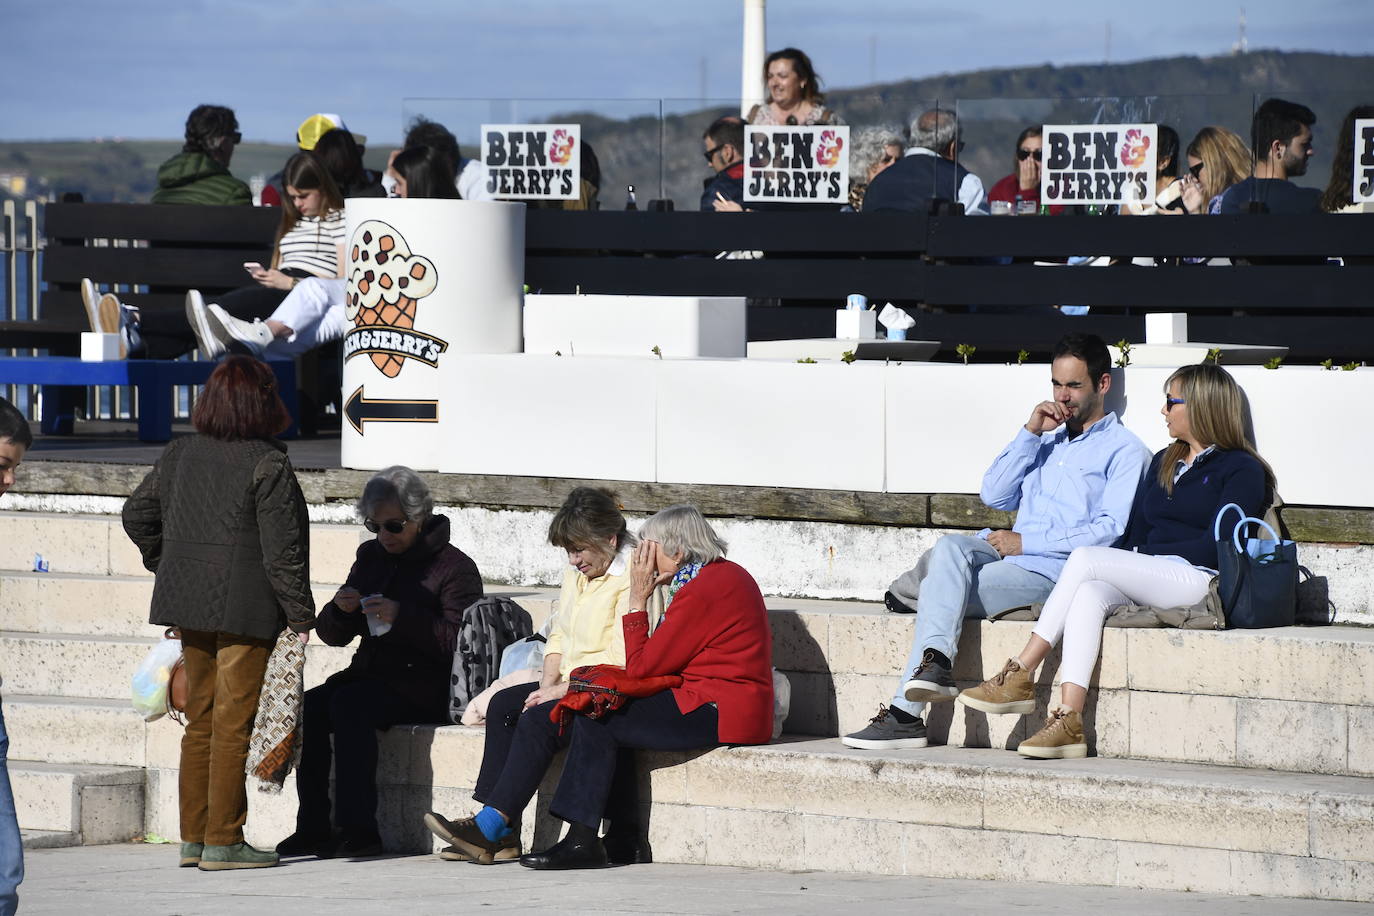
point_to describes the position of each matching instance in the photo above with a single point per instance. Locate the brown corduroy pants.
(223, 679)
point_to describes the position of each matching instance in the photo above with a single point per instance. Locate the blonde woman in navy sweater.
(1167, 556)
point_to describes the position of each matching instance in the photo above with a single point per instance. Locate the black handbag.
(1257, 577)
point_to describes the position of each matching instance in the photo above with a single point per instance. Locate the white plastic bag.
(524, 653)
(150, 680)
(782, 701)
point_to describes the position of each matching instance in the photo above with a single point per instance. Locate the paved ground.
(137, 880)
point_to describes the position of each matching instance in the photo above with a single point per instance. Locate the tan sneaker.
(1010, 690)
(510, 850)
(1061, 737)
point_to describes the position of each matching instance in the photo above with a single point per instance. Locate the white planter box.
(680, 326)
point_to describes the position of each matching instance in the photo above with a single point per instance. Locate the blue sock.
(491, 823)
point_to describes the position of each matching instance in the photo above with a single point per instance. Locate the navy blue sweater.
(1181, 524)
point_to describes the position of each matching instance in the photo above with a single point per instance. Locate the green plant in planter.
(1125, 347)
(1213, 356)
(656, 351)
(1273, 362)
(847, 356)
(1327, 364)
(806, 359)
(1022, 356)
(965, 350)
(1350, 366)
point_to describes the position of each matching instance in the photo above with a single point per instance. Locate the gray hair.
(935, 129)
(682, 529)
(867, 146)
(401, 485)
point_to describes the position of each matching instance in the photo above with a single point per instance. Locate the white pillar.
(751, 87)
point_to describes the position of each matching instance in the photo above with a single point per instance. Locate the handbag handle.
(1235, 534)
(1216, 527)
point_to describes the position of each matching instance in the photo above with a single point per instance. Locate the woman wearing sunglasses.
(404, 600)
(1167, 556)
(1021, 188)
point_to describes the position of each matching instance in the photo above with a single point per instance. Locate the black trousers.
(168, 334)
(352, 711)
(591, 778)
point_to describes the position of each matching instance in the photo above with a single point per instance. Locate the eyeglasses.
(711, 153)
(1023, 154)
(236, 137)
(1196, 170)
(1170, 402)
(392, 525)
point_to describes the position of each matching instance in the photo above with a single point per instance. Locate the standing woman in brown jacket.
(222, 523)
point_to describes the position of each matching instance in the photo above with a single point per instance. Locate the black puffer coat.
(224, 527)
(433, 582)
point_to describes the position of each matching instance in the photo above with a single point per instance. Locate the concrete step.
(97, 545)
(944, 812)
(117, 605)
(1294, 698)
(74, 730)
(92, 804)
(49, 839)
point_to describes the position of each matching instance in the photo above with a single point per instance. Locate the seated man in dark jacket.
(199, 174)
(404, 597)
(723, 142)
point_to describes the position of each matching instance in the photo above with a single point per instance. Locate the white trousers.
(1098, 578)
(314, 309)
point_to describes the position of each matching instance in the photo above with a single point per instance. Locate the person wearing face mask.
(594, 597)
(403, 600)
(794, 92)
(1167, 558)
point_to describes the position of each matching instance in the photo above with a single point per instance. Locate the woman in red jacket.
(712, 632)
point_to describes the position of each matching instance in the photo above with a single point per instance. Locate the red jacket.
(715, 634)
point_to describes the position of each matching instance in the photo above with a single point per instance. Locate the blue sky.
(136, 67)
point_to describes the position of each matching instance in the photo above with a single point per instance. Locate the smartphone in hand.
(253, 267)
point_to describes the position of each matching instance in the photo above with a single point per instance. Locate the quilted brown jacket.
(224, 527)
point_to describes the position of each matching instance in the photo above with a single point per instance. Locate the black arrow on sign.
(360, 410)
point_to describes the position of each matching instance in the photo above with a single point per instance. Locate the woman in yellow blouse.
(587, 631)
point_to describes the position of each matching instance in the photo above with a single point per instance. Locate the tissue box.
(852, 323)
(98, 348)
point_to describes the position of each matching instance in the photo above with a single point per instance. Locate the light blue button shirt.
(1067, 492)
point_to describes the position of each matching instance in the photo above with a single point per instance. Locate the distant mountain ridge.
(663, 158)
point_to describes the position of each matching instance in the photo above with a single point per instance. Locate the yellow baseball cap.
(317, 125)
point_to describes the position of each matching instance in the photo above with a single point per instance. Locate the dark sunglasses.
(1023, 154)
(236, 137)
(1170, 402)
(392, 525)
(1196, 170)
(711, 153)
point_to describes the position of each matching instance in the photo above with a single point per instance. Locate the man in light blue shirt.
(1071, 474)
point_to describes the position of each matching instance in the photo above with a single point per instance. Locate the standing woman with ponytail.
(1167, 556)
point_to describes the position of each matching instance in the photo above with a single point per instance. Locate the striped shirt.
(313, 244)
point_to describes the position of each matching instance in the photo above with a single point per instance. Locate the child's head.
(15, 440)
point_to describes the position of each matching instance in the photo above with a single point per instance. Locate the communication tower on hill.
(1242, 44)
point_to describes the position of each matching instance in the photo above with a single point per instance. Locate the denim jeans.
(963, 577)
(11, 846)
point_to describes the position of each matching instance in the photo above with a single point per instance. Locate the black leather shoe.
(346, 846)
(626, 849)
(568, 853)
(302, 843)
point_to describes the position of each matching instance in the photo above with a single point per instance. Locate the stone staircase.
(1232, 762)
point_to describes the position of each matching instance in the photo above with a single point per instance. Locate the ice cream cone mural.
(385, 283)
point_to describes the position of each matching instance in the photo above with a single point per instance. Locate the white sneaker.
(91, 299)
(209, 345)
(254, 335)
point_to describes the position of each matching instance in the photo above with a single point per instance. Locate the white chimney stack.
(751, 91)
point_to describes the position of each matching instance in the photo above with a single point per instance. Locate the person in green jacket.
(199, 174)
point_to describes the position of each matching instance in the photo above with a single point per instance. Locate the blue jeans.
(11, 846)
(963, 577)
